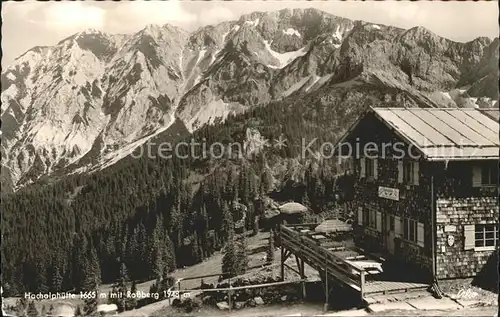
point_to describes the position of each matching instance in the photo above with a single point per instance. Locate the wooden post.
(282, 263)
(433, 230)
(302, 277)
(300, 266)
(229, 301)
(362, 284)
(327, 290)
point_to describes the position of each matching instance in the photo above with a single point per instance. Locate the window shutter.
(375, 168)
(420, 234)
(476, 176)
(360, 216)
(400, 171)
(469, 237)
(379, 221)
(416, 172)
(397, 226)
(363, 167)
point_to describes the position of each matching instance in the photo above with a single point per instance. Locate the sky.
(30, 23)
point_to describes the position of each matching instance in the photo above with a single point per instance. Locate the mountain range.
(84, 104)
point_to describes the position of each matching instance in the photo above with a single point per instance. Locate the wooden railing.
(319, 257)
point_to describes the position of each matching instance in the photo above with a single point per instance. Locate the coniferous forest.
(150, 215)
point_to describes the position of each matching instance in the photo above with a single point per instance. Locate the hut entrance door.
(390, 233)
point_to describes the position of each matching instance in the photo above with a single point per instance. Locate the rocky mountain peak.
(91, 31)
(86, 102)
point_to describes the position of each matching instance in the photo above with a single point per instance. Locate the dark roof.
(444, 133)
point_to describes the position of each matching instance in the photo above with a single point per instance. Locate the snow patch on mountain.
(253, 23)
(314, 79)
(375, 26)
(295, 86)
(292, 31)
(119, 154)
(214, 111)
(9, 93)
(284, 58)
(337, 34)
(201, 55)
(235, 28)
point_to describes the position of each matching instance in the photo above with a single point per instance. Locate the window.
(489, 175)
(486, 235)
(405, 228)
(373, 219)
(485, 175)
(366, 217)
(369, 167)
(370, 218)
(410, 229)
(408, 172)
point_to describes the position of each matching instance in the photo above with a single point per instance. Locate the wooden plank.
(313, 253)
(291, 268)
(392, 287)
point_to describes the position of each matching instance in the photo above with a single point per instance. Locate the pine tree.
(41, 277)
(156, 249)
(32, 311)
(270, 248)
(51, 310)
(91, 288)
(21, 306)
(132, 301)
(153, 289)
(242, 254)
(195, 249)
(132, 254)
(111, 295)
(78, 311)
(169, 263)
(95, 266)
(158, 264)
(44, 311)
(56, 278)
(79, 260)
(122, 287)
(229, 260)
(228, 224)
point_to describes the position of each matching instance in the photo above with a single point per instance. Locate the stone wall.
(452, 214)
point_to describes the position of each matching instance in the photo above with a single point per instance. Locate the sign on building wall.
(388, 193)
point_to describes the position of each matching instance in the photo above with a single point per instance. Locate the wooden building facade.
(426, 189)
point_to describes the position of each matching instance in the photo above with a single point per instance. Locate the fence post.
(327, 290)
(362, 283)
(229, 301)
